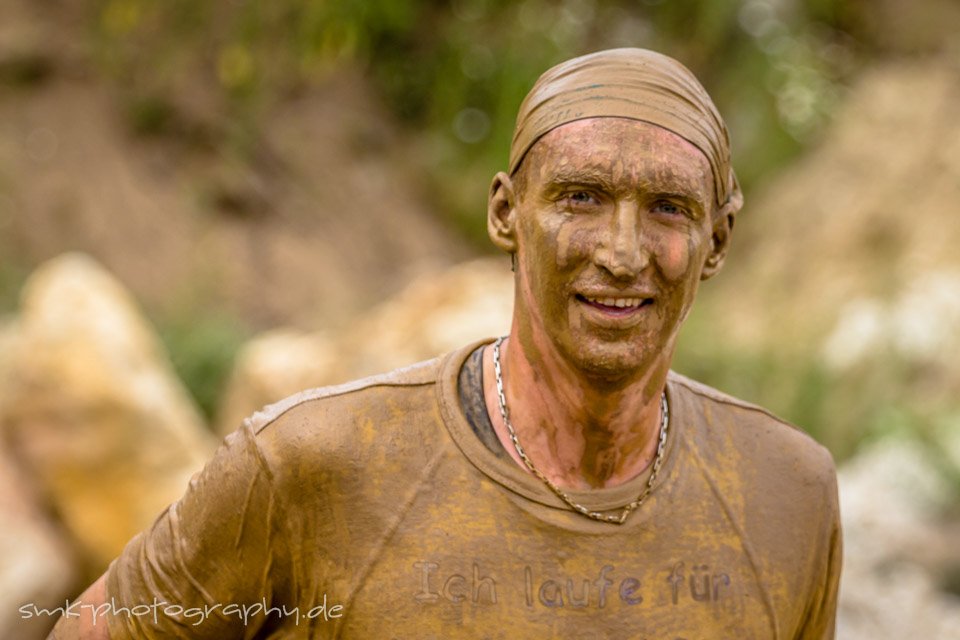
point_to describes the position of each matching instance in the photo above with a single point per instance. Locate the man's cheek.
(564, 243)
(673, 255)
(575, 243)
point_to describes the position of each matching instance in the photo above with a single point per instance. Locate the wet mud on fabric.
(378, 497)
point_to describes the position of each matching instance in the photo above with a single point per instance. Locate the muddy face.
(612, 221)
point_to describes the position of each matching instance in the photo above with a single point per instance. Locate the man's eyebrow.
(677, 195)
(561, 176)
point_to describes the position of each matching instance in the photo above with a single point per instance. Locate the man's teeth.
(617, 302)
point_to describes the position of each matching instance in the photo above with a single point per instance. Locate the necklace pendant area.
(560, 493)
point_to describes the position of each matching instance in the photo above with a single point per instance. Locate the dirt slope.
(319, 218)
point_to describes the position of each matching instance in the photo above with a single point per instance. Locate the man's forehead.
(629, 83)
(613, 148)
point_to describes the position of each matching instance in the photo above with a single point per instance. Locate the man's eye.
(668, 208)
(582, 199)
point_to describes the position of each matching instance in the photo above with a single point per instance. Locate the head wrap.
(629, 83)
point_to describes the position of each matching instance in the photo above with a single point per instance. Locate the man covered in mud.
(559, 482)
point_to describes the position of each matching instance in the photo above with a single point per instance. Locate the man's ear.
(719, 241)
(501, 213)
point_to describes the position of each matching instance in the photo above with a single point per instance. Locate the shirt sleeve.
(820, 623)
(203, 569)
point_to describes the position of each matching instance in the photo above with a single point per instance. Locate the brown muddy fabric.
(378, 497)
(629, 83)
(473, 404)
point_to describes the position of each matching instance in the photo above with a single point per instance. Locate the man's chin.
(612, 363)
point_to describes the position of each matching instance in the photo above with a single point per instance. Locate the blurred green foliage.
(887, 394)
(456, 71)
(202, 350)
(11, 281)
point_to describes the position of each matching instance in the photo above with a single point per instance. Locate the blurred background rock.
(205, 206)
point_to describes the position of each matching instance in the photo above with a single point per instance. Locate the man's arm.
(84, 627)
(205, 551)
(821, 618)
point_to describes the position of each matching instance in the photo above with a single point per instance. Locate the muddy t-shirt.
(374, 510)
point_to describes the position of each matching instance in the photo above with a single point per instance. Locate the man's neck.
(579, 433)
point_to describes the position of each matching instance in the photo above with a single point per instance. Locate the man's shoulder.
(707, 394)
(729, 423)
(369, 392)
(358, 422)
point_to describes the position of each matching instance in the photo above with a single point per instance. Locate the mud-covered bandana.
(629, 83)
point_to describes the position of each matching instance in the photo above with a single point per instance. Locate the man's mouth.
(616, 306)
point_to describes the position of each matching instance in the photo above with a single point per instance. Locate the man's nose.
(622, 252)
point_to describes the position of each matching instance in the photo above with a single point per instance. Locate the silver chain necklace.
(579, 508)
